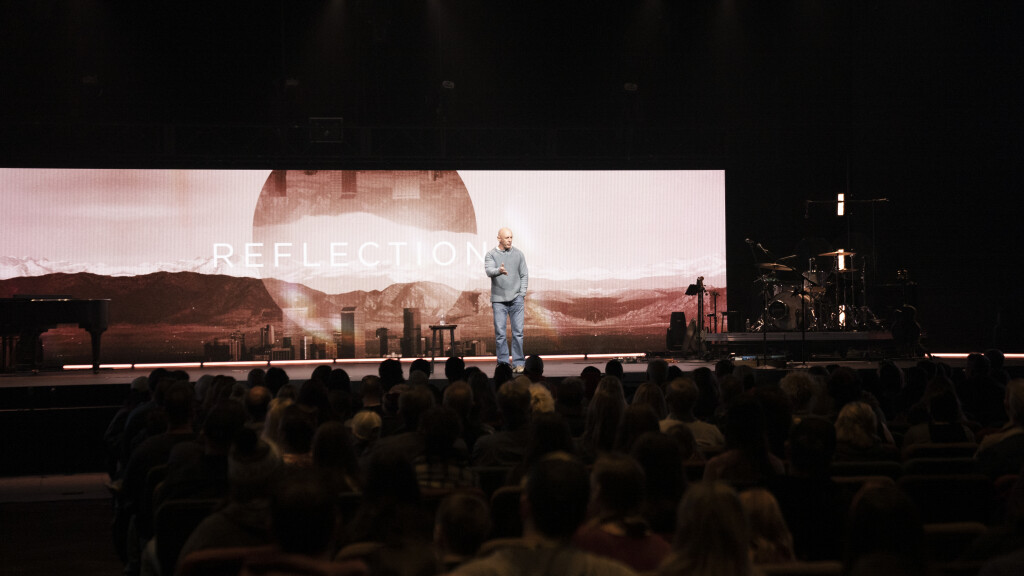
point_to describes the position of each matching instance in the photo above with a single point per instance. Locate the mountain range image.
(221, 304)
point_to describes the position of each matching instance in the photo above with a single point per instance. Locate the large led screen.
(306, 264)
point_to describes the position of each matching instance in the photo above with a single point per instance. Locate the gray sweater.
(505, 287)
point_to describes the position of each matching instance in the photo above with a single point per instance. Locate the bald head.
(504, 238)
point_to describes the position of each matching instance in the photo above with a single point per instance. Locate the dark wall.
(916, 102)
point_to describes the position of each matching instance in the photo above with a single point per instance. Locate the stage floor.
(555, 367)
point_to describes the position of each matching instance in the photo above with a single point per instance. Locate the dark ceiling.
(917, 102)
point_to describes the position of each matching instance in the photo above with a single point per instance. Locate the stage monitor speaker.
(675, 336)
(731, 321)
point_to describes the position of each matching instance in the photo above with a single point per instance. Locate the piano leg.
(95, 334)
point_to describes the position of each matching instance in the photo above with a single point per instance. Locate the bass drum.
(786, 311)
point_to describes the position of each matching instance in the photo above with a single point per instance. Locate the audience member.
(391, 509)
(442, 466)
(254, 469)
(674, 371)
(365, 431)
(502, 373)
(616, 528)
(612, 367)
(745, 373)
(603, 417)
(591, 376)
(980, 393)
(778, 416)
(770, 540)
(856, 436)
(272, 426)
(945, 423)
(612, 385)
(891, 382)
(997, 368)
(553, 506)
(657, 372)
(302, 516)
(459, 397)
(390, 372)
(541, 399)
(275, 379)
(653, 396)
(681, 398)
(321, 372)
(747, 459)
(335, 458)
(1002, 452)
(372, 394)
(801, 388)
(256, 377)
(569, 402)
(454, 369)
(485, 401)
(134, 499)
(461, 525)
(313, 396)
(664, 480)
(684, 439)
(709, 395)
(636, 420)
(257, 404)
(407, 440)
(534, 368)
(724, 367)
(549, 434)
(113, 437)
(298, 425)
(200, 469)
(339, 394)
(812, 503)
(506, 447)
(712, 534)
(423, 365)
(885, 524)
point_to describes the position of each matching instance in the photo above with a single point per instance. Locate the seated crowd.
(718, 472)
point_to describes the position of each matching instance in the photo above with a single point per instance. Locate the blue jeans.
(503, 311)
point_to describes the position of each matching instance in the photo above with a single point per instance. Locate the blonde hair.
(800, 387)
(712, 534)
(541, 399)
(272, 424)
(770, 538)
(856, 424)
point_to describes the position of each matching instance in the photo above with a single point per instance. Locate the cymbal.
(838, 253)
(774, 266)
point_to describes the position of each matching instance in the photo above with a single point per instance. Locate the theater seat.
(505, 519)
(867, 468)
(950, 497)
(798, 568)
(175, 522)
(943, 465)
(948, 541)
(940, 450)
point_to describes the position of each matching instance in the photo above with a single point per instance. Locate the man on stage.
(506, 267)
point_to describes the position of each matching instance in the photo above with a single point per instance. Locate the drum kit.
(827, 295)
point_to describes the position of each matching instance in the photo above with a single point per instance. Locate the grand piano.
(24, 318)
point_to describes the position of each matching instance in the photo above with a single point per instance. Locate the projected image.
(264, 265)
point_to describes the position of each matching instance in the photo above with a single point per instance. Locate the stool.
(438, 330)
